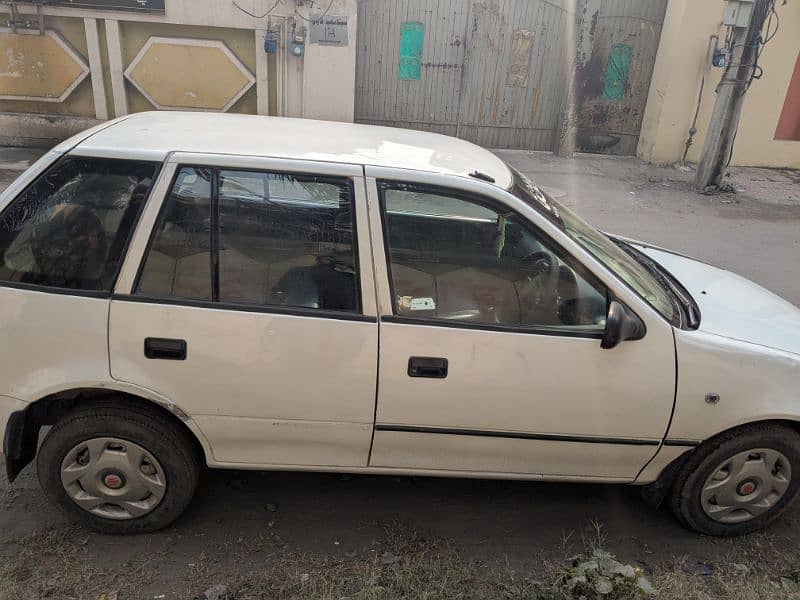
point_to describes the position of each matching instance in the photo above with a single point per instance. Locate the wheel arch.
(22, 431)
(654, 493)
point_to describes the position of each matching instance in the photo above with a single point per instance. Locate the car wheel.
(739, 481)
(119, 470)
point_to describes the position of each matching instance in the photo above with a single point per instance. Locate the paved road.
(492, 520)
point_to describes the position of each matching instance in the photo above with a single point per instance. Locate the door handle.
(423, 366)
(165, 349)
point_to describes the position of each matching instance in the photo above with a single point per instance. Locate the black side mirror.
(621, 325)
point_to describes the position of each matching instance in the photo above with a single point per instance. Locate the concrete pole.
(728, 105)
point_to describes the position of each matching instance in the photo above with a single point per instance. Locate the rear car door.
(490, 357)
(247, 300)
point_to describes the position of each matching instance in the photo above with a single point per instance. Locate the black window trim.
(298, 311)
(64, 291)
(387, 184)
(342, 180)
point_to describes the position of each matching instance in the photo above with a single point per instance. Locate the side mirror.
(621, 325)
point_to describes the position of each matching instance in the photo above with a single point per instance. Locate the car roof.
(154, 135)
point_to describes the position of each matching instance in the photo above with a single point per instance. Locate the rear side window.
(255, 238)
(178, 263)
(71, 227)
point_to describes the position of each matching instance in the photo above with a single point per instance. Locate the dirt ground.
(242, 521)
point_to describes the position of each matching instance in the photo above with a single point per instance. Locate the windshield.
(622, 264)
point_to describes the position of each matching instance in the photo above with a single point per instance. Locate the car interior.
(279, 244)
(460, 261)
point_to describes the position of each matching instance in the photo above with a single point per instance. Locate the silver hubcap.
(113, 478)
(746, 485)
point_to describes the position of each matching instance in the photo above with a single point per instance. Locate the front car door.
(247, 300)
(490, 357)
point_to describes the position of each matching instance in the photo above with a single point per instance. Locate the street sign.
(329, 30)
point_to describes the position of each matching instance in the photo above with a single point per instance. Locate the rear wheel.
(119, 470)
(740, 481)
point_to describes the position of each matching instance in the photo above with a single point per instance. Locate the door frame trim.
(523, 329)
(517, 435)
(254, 308)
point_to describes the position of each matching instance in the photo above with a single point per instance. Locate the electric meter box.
(738, 13)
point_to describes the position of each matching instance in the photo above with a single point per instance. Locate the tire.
(686, 498)
(169, 463)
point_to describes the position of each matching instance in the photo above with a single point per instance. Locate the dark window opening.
(255, 238)
(71, 227)
(455, 258)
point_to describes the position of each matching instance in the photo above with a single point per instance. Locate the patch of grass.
(404, 564)
(754, 567)
(52, 564)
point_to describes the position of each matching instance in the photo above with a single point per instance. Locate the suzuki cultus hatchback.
(184, 290)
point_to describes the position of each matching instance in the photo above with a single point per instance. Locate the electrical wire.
(330, 4)
(693, 129)
(255, 16)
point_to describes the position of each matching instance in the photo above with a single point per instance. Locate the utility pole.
(738, 73)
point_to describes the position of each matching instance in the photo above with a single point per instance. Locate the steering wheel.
(542, 273)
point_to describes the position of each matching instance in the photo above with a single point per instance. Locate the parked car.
(184, 290)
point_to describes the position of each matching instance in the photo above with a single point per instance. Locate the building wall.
(199, 55)
(684, 58)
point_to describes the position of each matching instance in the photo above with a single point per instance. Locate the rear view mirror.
(621, 325)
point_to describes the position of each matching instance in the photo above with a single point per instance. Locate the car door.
(490, 357)
(247, 300)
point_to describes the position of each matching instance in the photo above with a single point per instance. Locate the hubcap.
(113, 478)
(746, 485)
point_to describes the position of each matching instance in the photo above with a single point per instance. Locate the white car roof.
(153, 135)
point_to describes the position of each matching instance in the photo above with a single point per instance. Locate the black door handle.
(423, 366)
(165, 349)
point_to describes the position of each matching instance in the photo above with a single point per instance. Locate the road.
(490, 520)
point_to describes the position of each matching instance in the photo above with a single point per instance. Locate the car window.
(459, 259)
(70, 228)
(281, 240)
(619, 262)
(178, 263)
(286, 240)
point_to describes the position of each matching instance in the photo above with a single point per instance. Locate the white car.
(181, 290)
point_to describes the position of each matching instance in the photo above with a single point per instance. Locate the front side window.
(459, 259)
(70, 228)
(622, 264)
(255, 238)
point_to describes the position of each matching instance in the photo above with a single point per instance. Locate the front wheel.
(119, 469)
(739, 481)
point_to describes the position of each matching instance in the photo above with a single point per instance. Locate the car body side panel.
(545, 459)
(250, 364)
(511, 394)
(281, 442)
(666, 455)
(265, 387)
(51, 342)
(754, 383)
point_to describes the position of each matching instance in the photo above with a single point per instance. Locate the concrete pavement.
(755, 232)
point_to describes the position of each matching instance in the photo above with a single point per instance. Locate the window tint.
(70, 228)
(286, 240)
(457, 259)
(282, 240)
(179, 260)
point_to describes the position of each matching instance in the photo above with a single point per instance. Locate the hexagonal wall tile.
(37, 67)
(177, 73)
